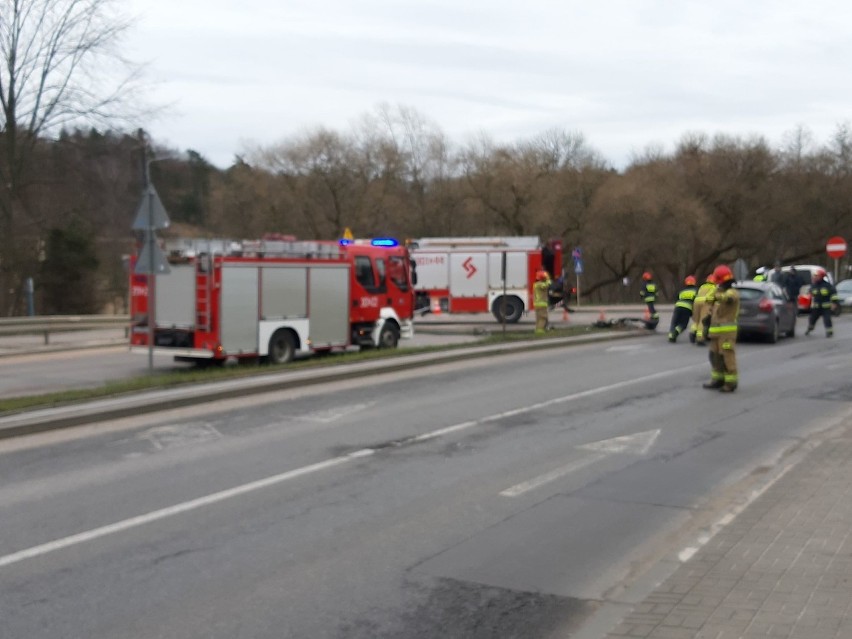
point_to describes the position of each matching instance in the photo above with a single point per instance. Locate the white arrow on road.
(637, 444)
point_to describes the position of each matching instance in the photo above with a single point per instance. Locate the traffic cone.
(602, 317)
(436, 306)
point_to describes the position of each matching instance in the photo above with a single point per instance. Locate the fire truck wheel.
(282, 347)
(389, 337)
(514, 309)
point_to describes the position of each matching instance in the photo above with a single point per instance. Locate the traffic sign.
(836, 247)
(150, 214)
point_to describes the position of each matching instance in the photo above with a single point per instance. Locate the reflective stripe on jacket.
(686, 297)
(823, 295)
(649, 292)
(726, 310)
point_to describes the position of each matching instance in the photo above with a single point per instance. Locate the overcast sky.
(625, 73)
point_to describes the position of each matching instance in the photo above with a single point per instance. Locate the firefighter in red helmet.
(824, 300)
(683, 308)
(649, 296)
(541, 300)
(722, 331)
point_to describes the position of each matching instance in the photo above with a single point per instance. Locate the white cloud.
(624, 73)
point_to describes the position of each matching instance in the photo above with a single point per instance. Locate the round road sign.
(836, 247)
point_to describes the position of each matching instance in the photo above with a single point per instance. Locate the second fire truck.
(273, 299)
(466, 274)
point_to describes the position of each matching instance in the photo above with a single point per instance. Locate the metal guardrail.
(47, 324)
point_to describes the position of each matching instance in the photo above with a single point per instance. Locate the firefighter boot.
(810, 330)
(728, 388)
(714, 384)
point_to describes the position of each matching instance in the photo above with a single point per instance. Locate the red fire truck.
(273, 299)
(466, 274)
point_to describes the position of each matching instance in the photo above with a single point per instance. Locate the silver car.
(844, 294)
(765, 311)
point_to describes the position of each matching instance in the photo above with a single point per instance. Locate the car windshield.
(845, 286)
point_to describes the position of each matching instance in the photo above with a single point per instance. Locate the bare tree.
(61, 66)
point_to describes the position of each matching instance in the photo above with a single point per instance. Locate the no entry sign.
(835, 247)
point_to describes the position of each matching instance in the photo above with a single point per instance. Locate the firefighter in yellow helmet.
(540, 300)
(722, 331)
(700, 310)
(682, 309)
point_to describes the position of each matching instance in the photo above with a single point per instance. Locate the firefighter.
(649, 296)
(683, 308)
(700, 310)
(722, 331)
(824, 299)
(540, 300)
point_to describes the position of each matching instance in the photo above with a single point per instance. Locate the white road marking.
(687, 553)
(177, 509)
(333, 414)
(171, 435)
(625, 348)
(639, 444)
(541, 480)
(207, 500)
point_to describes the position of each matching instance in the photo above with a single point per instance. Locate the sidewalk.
(782, 568)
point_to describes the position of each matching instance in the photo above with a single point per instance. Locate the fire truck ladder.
(204, 291)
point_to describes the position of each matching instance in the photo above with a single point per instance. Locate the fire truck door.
(175, 295)
(468, 274)
(431, 271)
(239, 309)
(516, 270)
(329, 305)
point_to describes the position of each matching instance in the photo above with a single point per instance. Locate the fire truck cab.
(273, 299)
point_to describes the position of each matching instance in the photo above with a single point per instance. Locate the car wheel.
(772, 338)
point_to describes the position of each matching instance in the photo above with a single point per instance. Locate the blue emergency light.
(384, 241)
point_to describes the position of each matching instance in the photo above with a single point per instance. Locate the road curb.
(46, 419)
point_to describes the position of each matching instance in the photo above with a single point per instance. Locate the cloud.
(626, 74)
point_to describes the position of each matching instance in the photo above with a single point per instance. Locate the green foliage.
(69, 270)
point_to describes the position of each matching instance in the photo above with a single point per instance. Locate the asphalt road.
(513, 496)
(27, 369)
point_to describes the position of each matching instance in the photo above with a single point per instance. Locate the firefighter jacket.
(540, 297)
(724, 313)
(700, 308)
(648, 292)
(686, 298)
(823, 295)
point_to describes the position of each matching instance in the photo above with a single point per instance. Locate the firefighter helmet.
(722, 274)
(646, 276)
(541, 276)
(711, 279)
(819, 273)
(690, 280)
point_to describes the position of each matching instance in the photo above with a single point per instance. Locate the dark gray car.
(765, 311)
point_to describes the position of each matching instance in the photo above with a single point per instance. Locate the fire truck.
(272, 299)
(466, 274)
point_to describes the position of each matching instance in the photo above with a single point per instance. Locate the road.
(514, 496)
(25, 371)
